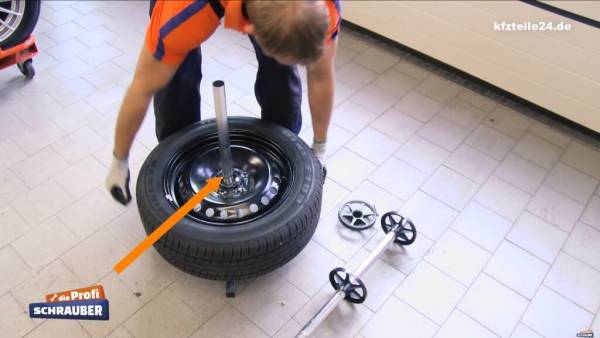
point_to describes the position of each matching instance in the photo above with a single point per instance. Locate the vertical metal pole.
(223, 130)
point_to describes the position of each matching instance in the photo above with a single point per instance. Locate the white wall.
(556, 70)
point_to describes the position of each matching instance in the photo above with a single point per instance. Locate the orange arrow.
(212, 184)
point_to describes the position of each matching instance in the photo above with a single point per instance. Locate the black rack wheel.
(27, 69)
(406, 232)
(353, 287)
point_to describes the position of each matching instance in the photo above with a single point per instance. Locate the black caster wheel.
(27, 68)
(406, 233)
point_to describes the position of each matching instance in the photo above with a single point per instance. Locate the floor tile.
(584, 244)
(438, 88)
(36, 138)
(549, 134)
(164, 316)
(291, 328)
(348, 168)
(571, 182)
(575, 281)
(481, 225)
(584, 158)
(538, 151)
(120, 332)
(33, 174)
(555, 208)
(490, 142)
(35, 206)
(10, 125)
(462, 113)
(123, 304)
(517, 269)
(308, 270)
(338, 239)
(521, 173)
(471, 163)
(333, 194)
(355, 75)
(444, 133)
(591, 215)
(352, 117)
(395, 82)
(345, 321)
(418, 106)
(375, 99)
(205, 297)
(269, 301)
(431, 292)
(12, 154)
(523, 331)
(376, 59)
(12, 265)
(381, 199)
(554, 316)
(477, 100)
(382, 279)
(430, 216)
(398, 178)
(14, 321)
(397, 125)
(336, 138)
(53, 278)
(493, 305)
(94, 257)
(58, 328)
(502, 198)
(450, 187)
(10, 186)
(344, 55)
(402, 258)
(78, 145)
(82, 177)
(396, 314)
(422, 154)
(508, 121)
(458, 257)
(373, 145)
(412, 69)
(37, 250)
(537, 236)
(229, 323)
(12, 225)
(460, 325)
(149, 275)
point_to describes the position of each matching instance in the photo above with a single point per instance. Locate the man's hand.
(117, 181)
(319, 148)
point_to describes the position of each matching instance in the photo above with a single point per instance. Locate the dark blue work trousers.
(277, 88)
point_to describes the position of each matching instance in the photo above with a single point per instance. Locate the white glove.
(319, 149)
(117, 181)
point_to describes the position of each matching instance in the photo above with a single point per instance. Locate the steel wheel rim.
(11, 15)
(268, 175)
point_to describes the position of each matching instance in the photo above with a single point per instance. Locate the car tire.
(245, 250)
(24, 27)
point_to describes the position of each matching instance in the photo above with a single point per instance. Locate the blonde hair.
(294, 29)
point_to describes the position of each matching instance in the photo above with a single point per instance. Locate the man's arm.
(150, 76)
(321, 87)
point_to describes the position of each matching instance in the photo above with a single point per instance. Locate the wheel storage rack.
(20, 55)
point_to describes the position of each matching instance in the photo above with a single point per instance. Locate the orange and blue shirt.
(177, 27)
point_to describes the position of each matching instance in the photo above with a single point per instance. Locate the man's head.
(289, 31)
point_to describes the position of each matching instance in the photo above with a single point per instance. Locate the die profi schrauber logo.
(85, 303)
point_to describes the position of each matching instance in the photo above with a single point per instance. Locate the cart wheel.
(27, 68)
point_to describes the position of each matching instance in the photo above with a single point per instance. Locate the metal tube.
(321, 315)
(223, 131)
(366, 264)
(333, 302)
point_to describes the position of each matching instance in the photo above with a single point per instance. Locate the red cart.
(21, 55)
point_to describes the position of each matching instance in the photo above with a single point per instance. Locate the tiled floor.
(507, 208)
